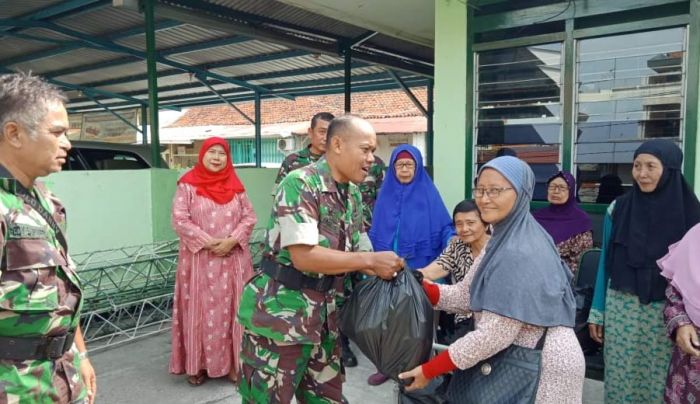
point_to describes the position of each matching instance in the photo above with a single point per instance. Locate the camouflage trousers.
(274, 373)
(42, 381)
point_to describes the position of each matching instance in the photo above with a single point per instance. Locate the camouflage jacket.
(299, 159)
(39, 296)
(369, 189)
(310, 208)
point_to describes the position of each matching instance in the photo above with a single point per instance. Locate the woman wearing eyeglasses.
(409, 216)
(569, 226)
(517, 289)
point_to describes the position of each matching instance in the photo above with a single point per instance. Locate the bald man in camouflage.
(315, 236)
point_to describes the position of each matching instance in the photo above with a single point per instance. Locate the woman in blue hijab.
(409, 216)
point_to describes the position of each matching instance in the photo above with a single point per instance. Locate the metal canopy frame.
(246, 28)
(102, 44)
(156, 54)
(292, 35)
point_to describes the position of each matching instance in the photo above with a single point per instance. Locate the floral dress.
(683, 382)
(571, 249)
(636, 349)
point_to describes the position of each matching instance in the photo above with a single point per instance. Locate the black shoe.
(348, 358)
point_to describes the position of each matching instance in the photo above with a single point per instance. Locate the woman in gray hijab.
(520, 288)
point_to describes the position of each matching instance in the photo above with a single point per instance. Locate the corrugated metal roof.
(45, 33)
(13, 47)
(260, 61)
(19, 8)
(218, 87)
(228, 52)
(298, 17)
(142, 85)
(280, 65)
(181, 35)
(411, 48)
(320, 76)
(292, 15)
(77, 56)
(106, 73)
(103, 21)
(106, 101)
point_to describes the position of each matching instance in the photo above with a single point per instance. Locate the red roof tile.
(369, 105)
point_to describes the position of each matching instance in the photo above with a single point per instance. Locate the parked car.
(86, 155)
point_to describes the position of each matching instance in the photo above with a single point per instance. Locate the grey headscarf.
(521, 275)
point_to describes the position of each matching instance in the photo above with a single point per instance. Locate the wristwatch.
(83, 355)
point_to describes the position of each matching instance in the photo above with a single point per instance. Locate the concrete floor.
(138, 373)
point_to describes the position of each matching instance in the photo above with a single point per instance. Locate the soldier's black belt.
(292, 278)
(35, 348)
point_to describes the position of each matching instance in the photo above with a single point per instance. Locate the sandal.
(198, 379)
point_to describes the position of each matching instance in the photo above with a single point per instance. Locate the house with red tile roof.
(395, 118)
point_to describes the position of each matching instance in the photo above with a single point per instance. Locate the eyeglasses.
(491, 192)
(400, 166)
(557, 188)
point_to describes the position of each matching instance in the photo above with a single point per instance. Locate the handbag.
(511, 376)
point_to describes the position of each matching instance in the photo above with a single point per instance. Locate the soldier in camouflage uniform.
(312, 153)
(42, 352)
(370, 187)
(315, 236)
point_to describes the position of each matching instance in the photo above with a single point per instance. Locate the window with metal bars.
(243, 151)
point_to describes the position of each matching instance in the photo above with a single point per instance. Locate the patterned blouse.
(563, 364)
(683, 382)
(457, 259)
(571, 249)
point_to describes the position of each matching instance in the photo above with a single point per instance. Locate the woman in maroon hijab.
(214, 219)
(569, 226)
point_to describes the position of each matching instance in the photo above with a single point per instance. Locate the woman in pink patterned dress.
(517, 289)
(681, 266)
(214, 219)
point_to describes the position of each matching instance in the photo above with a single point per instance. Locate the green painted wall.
(163, 185)
(692, 123)
(259, 183)
(450, 116)
(105, 209)
(112, 209)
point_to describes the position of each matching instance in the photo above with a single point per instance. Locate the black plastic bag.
(391, 322)
(433, 393)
